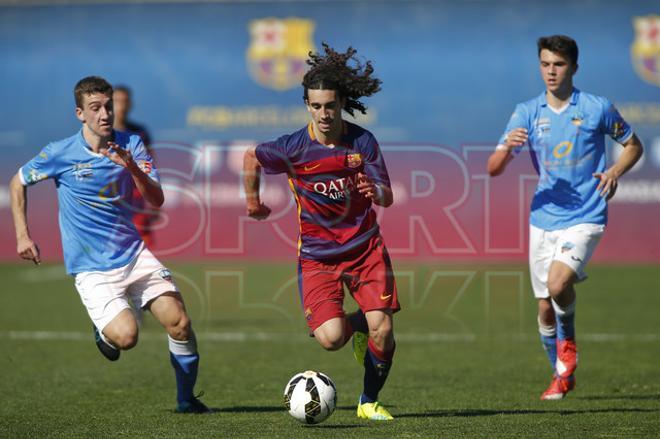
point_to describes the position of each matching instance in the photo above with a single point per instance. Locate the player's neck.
(559, 98)
(94, 140)
(331, 138)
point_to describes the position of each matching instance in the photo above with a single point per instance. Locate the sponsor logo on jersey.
(278, 51)
(645, 50)
(617, 130)
(145, 166)
(82, 171)
(542, 126)
(336, 188)
(308, 314)
(562, 149)
(109, 192)
(35, 176)
(311, 167)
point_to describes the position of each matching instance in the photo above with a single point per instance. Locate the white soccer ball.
(310, 397)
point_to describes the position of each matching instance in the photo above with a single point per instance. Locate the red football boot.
(558, 388)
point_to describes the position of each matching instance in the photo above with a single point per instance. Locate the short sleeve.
(43, 166)
(519, 119)
(144, 160)
(374, 163)
(614, 125)
(274, 156)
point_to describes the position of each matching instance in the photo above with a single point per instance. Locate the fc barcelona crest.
(645, 50)
(353, 160)
(278, 51)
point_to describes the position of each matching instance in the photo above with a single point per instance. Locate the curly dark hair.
(344, 73)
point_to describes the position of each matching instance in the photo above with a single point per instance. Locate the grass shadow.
(354, 407)
(620, 397)
(486, 412)
(250, 409)
(334, 426)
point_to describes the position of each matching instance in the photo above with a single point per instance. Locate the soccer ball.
(310, 397)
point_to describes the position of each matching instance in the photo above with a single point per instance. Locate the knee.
(331, 343)
(557, 286)
(179, 329)
(126, 340)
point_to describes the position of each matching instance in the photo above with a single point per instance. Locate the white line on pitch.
(240, 337)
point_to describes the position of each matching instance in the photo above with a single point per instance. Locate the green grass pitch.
(468, 359)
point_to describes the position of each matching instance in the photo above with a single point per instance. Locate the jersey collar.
(574, 98)
(86, 145)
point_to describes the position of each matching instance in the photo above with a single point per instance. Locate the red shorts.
(367, 275)
(142, 222)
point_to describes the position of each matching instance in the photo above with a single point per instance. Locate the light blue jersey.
(95, 200)
(567, 147)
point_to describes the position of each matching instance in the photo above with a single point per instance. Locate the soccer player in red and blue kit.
(336, 171)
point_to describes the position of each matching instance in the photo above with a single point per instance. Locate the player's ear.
(80, 115)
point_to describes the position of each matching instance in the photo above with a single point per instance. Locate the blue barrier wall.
(452, 71)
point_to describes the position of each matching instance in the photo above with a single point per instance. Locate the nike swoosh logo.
(576, 259)
(311, 168)
(385, 297)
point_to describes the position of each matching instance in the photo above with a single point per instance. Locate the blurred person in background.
(145, 214)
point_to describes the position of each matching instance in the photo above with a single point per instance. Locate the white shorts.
(105, 293)
(573, 246)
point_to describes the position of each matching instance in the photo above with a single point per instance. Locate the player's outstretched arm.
(149, 188)
(378, 193)
(502, 156)
(25, 247)
(497, 162)
(251, 183)
(609, 180)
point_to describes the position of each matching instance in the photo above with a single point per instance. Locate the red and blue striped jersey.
(335, 219)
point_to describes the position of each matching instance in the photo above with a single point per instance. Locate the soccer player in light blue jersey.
(565, 130)
(95, 172)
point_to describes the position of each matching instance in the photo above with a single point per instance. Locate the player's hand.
(607, 185)
(117, 154)
(28, 249)
(516, 138)
(258, 211)
(367, 187)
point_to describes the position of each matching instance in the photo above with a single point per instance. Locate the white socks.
(563, 312)
(547, 330)
(183, 347)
